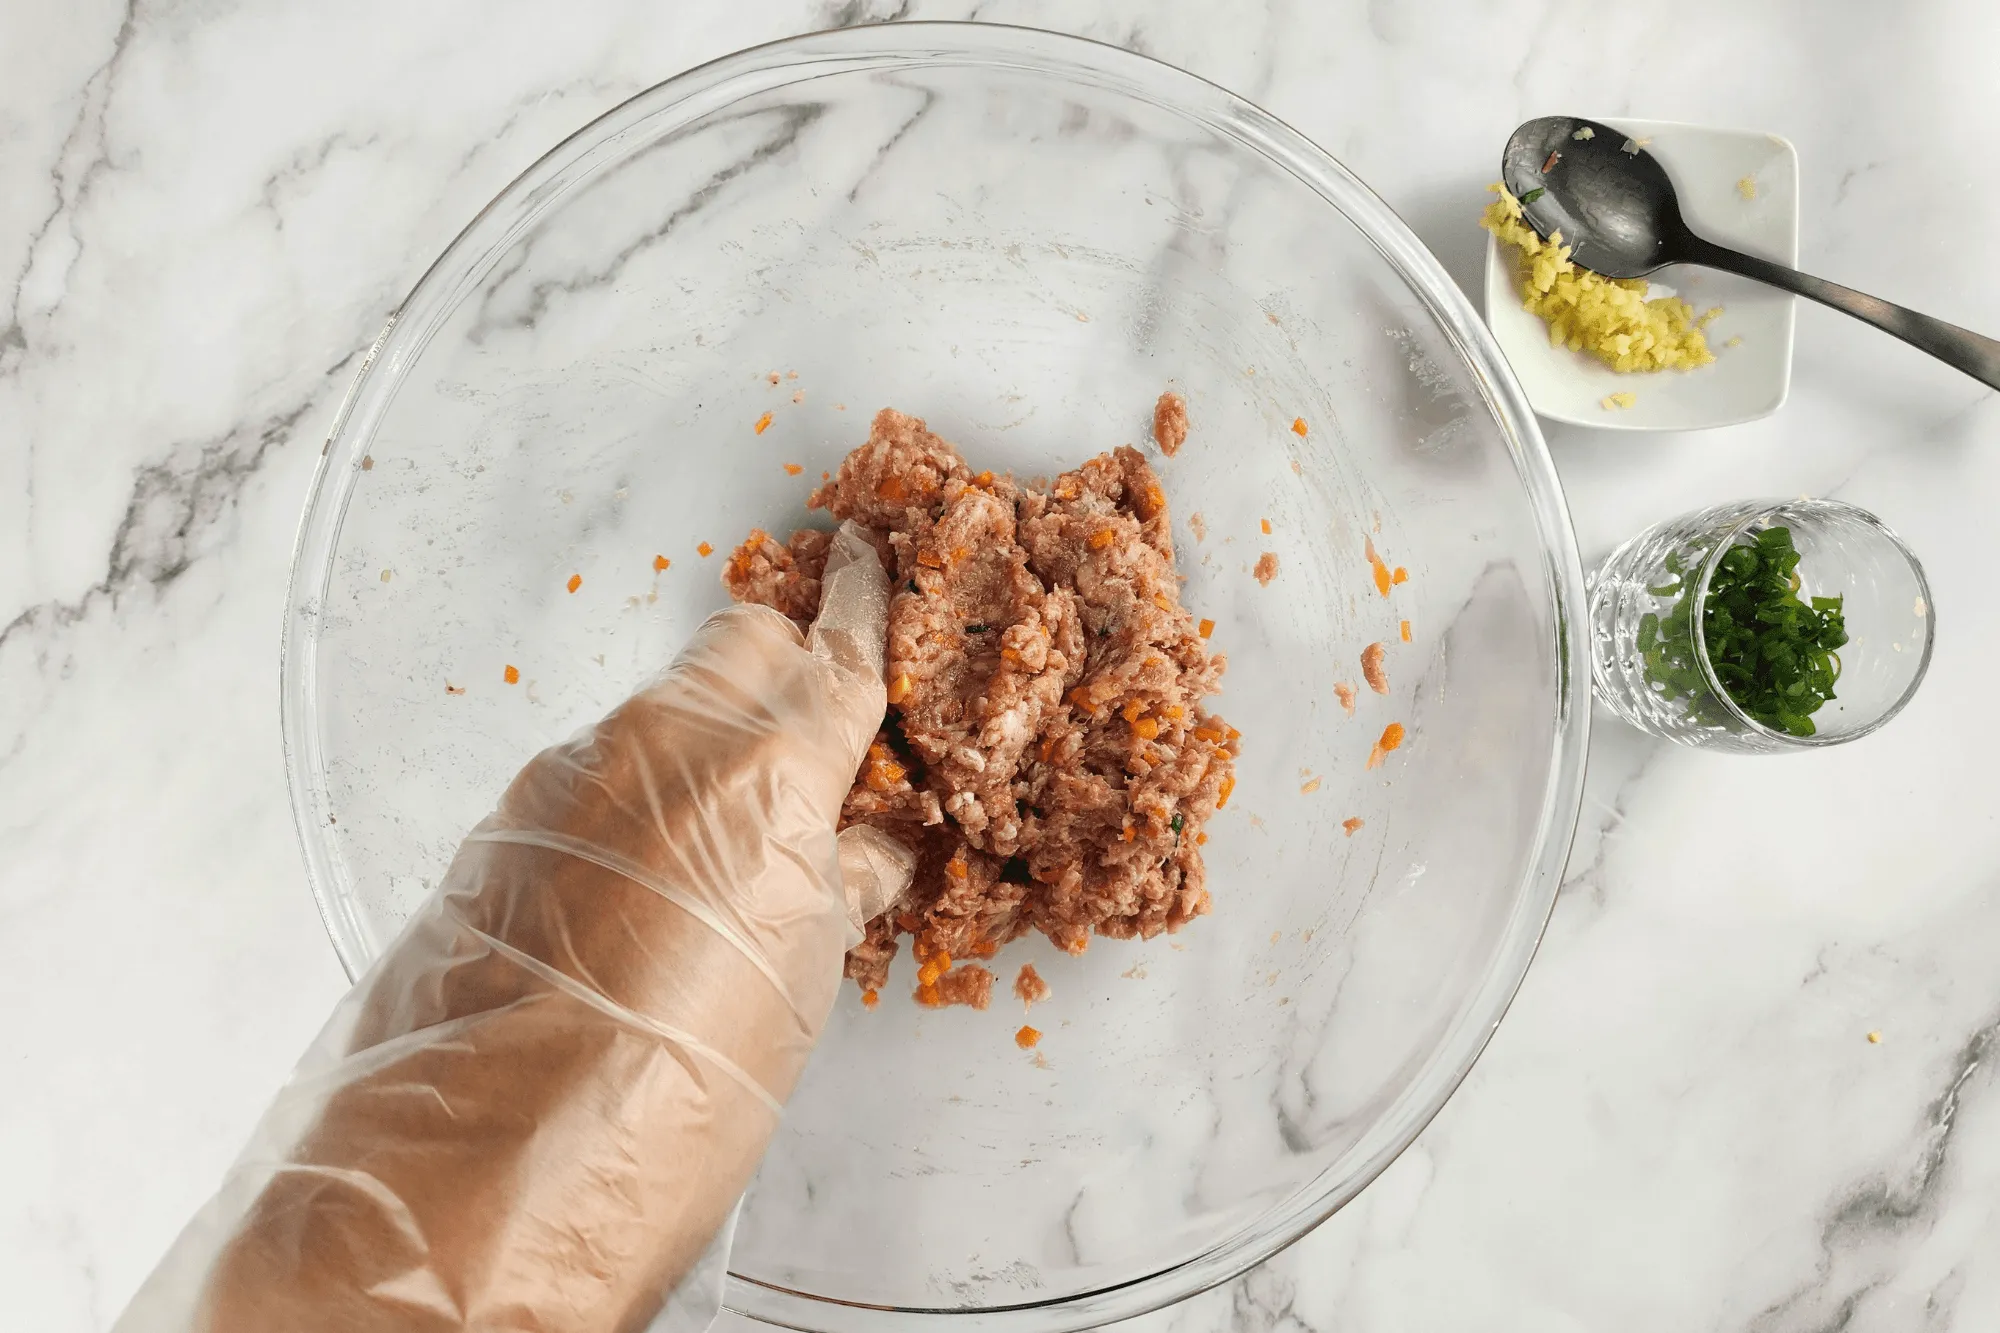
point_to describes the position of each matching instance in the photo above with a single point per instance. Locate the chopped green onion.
(1533, 195)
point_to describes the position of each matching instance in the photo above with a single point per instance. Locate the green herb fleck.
(1175, 823)
(913, 586)
(977, 629)
(1533, 195)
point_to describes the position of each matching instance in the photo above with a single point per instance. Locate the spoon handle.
(1977, 356)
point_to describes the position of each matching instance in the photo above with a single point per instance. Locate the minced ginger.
(1610, 318)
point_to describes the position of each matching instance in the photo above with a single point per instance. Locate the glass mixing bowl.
(1023, 238)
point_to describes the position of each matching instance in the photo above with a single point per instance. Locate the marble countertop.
(207, 210)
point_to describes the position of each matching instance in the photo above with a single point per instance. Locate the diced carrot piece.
(1160, 600)
(899, 688)
(1200, 838)
(930, 560)
(660, 563)
(793, 469)
(1266, 524)
(575, 582)
(1146, 729)
(928, 996)
(1026, 1037)
(763, 423)
(1299, 426)
(1102, 538)
(892, 489)
(1406, 631)
(956, 867)
(1132, 710)
(1401, 575)
(1081, 698)
(512, 675)
(704, 550)
(869, 999)
(1205, 628)
(1222, 793)
(1175, 712)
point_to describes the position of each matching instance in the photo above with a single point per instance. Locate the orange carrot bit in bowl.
(763, 424)
(575, 582)
(1174, 713)
(870, 998)
(704, 550)
(512, 675)
(1102, 538)
(793, 469)
(1266, 525)
(1382, 576)
(1146, 729)
(660, 564)
(1205, 628)
(1299, 426)
(1392, 737)
(928, 996)
(1222, 793)
(1352, 825)
(900, 687)
(956, 867)
(1406, 631)
(1026, 1037)
(1133, 710)
(1080, 696)
(1400, 575)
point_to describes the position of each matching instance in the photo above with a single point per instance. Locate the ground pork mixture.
(1045, 753)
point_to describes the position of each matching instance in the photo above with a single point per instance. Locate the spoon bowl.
(1615, 207)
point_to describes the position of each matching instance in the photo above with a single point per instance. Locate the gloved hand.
(540, 1103)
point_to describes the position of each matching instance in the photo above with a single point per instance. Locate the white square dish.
(1752, 338)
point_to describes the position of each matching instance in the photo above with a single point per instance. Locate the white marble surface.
(205, 212)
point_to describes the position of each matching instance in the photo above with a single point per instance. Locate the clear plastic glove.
(543, 1100)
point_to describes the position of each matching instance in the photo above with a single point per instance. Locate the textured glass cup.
(1670, 568)
(1023, 238)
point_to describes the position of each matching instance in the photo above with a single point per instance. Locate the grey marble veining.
(208, 211)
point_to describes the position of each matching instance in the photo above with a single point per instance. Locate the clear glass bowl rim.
(702, 90)
(1740, 516)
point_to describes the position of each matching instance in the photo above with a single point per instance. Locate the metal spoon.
(1615, 207)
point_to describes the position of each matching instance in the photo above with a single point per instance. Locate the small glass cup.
(1650, 623)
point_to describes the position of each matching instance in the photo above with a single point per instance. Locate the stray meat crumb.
(1585, 133)
(1266, 568)
(1612, 402)
(1875, 1038)
(367, 462)
(1170, 423)
(1345, 693)
(1198, 526)
(1352, 825)
(1029, 988)
(1373, 669)
(450, 688)
(1747, 187)
(799, 397)
(1308, 787)
(773, 377)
